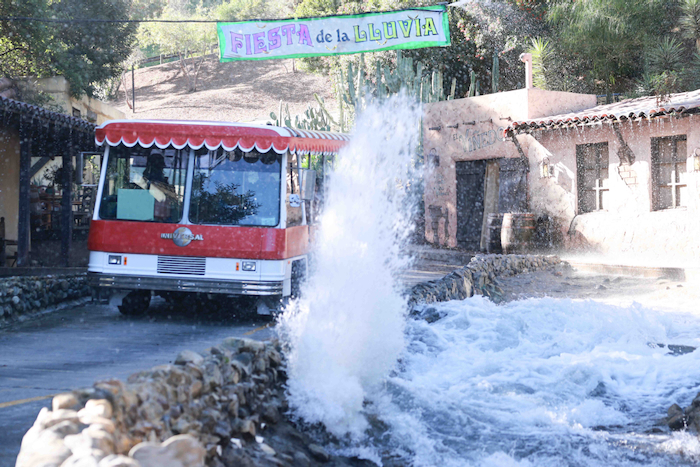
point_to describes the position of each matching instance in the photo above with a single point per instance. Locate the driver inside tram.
(154, 179)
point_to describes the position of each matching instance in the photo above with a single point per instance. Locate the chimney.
(527, 60)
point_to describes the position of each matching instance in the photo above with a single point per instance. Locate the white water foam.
(345, 335)
(542, 382)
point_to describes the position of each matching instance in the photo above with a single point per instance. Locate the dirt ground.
(244, 91)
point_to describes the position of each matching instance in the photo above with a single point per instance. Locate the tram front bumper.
(177, 284)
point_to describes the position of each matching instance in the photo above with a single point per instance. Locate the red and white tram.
(202, 207)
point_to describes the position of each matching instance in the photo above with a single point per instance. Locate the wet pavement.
(74, 347)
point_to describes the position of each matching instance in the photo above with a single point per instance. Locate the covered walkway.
(30, 138)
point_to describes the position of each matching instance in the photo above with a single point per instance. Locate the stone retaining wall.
(479, 277)
(185, 414)
(27, 294)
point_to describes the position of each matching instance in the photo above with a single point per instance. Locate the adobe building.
(621, 179)
(471, 169)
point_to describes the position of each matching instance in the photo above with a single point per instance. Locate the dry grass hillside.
(245, 91)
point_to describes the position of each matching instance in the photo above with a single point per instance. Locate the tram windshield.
(236, 188)
(144, 184)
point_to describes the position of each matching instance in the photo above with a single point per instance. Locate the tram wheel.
(135, 303)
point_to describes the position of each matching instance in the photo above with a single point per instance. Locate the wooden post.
(26, 132)
(67, 200)
(133, 91)
(3, 255)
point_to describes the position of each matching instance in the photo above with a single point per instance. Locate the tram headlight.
(115, 259)
(249, 265)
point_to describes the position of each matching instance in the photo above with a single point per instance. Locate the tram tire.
(135, 303)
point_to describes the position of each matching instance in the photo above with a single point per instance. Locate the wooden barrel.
(493, 226)
(516, 232)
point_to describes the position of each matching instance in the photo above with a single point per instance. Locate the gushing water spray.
(345, 334)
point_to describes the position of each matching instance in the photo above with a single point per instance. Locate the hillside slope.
(244, 91)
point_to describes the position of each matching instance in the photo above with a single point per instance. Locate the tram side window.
(144, 184)
(236, 188)
(293, 200)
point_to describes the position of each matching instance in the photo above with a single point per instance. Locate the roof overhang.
(213, 135)
(648, 108)
(42, 115)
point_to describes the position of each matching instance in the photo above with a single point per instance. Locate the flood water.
(542, 382)
(533, 382)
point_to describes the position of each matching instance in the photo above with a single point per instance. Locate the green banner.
(334, 35)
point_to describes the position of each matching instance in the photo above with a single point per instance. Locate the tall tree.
(191, 42)
(22, 43)
(690, 21)
(147, 9)
(605, 40)
(86, 53)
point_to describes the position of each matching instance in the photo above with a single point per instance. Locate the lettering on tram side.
(472, 140)
(182, 236)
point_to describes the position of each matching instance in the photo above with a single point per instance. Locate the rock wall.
(199, 409)
(479, 277)
(21, 295)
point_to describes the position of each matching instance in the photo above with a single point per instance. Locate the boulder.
(115, 460)
(178, 451)
(64, 401)
(318, 453)
(242, 344)
(187, 356)
(98, 407)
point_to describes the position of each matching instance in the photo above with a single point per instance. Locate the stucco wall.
(91, 109)
(627, 225)
(472, 129)
(9, 181)
(542, 103)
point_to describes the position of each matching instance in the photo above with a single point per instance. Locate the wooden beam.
(26, 133)
(67, 199)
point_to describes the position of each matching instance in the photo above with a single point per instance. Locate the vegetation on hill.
(86, 53)
(595, 46)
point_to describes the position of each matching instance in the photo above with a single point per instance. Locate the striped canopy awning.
(212, 135)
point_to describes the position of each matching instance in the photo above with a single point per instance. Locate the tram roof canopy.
(195, 134)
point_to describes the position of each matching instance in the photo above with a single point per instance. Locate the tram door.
(470, 202)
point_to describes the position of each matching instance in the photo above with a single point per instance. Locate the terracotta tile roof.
(13, 106)
(630, 109)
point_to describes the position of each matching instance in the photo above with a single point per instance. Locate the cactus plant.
(494, 72)
(473, 85)
(356, 91)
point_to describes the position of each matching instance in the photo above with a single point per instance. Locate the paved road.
(74, 347)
